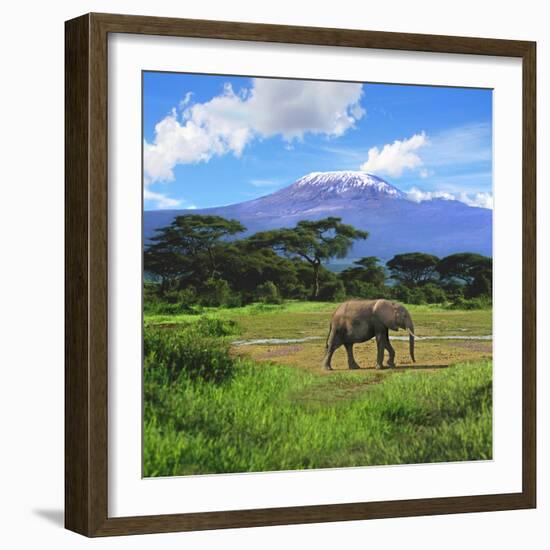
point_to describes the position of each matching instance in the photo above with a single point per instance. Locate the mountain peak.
(347, 182)
(395, 223)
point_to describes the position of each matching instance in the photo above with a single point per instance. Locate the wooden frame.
(86, 274)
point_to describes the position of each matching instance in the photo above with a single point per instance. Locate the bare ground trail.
(449, 337)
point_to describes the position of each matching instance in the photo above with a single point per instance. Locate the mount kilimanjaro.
(395, 223)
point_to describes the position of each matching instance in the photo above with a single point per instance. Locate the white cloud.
(177, 143)
(470, 143)
(417, 195)
(230, 121)
(480, 199)
(294, 107)
(186, 100)
(425, 173)
(160, 200)
(395, 157)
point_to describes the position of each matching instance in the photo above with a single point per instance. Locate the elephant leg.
(381, 346)
(332, 345)
(328, 358)
(391, 351)
(351, 360)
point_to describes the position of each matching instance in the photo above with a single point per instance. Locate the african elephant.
(357, 321)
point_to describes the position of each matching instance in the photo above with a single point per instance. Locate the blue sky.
(217, 140)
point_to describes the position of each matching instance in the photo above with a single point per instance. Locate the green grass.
(208, 409)
(270, 418)
(250, 309)
(289, 306)
(298, 319)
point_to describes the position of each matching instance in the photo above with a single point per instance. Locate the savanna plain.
(242, 390)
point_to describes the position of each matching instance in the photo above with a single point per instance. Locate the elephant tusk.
(414, 335)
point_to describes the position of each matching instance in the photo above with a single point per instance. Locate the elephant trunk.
(410, 327)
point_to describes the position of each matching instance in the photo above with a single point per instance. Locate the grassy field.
(278, 410)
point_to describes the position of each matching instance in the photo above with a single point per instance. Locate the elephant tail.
(412, 336)
(411, 346)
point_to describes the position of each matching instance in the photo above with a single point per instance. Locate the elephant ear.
(386, 312)
(396, 309)
(401, 314)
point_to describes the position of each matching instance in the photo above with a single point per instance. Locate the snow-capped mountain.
(344, 184)
(395, 223)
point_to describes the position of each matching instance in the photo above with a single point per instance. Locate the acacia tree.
(474, 270)
(246, 267)
(464, 266)
(367, 270)
(165, 264)
(312, 241)
(183, 246)
(413, 268)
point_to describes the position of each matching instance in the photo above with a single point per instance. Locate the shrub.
(402, 293)
(364, 290)
(213, 326)
(429, 293)
(215, 293)
(453, 290)
(482, 302)
(268, 293)
(169, 354)
(434, 294)
(234, 300)
(481, 286)
(357, 289)
(417, 296)
(172, 302)
(332, 291)
(297, 291)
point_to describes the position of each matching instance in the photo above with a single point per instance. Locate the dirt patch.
(475, 345)
(431, 355)
(280, 351)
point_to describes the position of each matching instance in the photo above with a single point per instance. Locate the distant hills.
(395, 223)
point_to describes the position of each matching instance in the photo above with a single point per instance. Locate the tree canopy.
(367, 270)
(464, 266)
(312, 241)
(204, 260)
(413, 268)
(474, 270)
(176, 247)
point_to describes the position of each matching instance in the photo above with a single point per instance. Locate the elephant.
(357, 321)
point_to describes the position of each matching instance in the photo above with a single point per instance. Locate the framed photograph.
(300, 275)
